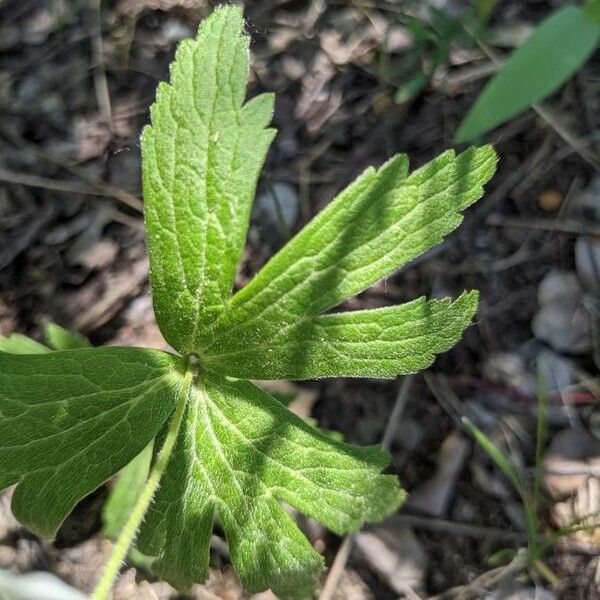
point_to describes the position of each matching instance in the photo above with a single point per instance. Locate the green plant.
(553, 53)
(539, 543)
(528, 495)
(433, 41)
(223, 449)
(56, 338)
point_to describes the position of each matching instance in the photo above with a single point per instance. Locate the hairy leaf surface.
(241, 454)
(123, 495)
(379, 223)
(201, 160)
(69, 420)
(381, 342)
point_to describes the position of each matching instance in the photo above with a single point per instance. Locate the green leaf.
(484, 9)
(553, 53)
(411, 88)
(59, 338)
(592, 10)
(201, 159)
(17, 343)
(383, 342)
(240, 455)
(379, 223)
(70, 420)
(496, 454)
(131, 479)
(124, 494)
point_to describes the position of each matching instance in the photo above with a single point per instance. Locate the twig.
(511, 181)
(565, 133)
(100, 82)
(134, 222)
(337, 568)
(454, 527)
(571, 396)
(568, 226)
(456, 81)
(106, 189)
(345, 549)
(58, 185)
(446, 397)
(68, 187)
(396, 415)
(486, 580)
(567, 470)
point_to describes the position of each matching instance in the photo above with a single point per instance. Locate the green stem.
(543, 568)
(129, 531)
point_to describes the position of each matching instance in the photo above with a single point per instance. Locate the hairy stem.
(129, 531)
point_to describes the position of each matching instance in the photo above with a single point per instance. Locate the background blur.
(356, 82)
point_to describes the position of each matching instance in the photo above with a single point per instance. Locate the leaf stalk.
(129, 531)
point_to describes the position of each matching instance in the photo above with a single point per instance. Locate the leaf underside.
(239, 456)
(60, 338)
(71, 419)
(123, 495)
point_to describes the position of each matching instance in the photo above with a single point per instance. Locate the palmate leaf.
(382, 342)
(69, 420)
(131, 479)
(383, 220)
(201, 160)
(380, 222)
(240, 454)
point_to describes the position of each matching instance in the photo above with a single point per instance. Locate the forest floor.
(75, 88)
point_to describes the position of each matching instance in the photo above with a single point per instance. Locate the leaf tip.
(462, 135)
